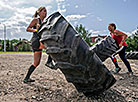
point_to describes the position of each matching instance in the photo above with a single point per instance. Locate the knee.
(122, 57)
(36, 64)
(124, 60)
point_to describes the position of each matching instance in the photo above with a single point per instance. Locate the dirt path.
(51, 85)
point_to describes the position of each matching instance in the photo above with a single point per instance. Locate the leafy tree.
(7, 45)
(0, 45)
(11, 46)
(2, 42)
(84, 33)
(132, 42)
(28, 47)
(23, 47)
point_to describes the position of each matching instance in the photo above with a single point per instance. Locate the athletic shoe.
(130, 73)
(28, 80)
(117, 70)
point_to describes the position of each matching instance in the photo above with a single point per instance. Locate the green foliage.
(1, 45)
(28, 47)
(93, 43)
(24, 47)
(132, 42)
(7, 45)
(10, 45)
(84, 33)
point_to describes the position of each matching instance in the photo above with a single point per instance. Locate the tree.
(11, 46)
(23, 47)
(0, 45)
(28, 47)
(7, 45)
(132, 42)
(15, 45)
(84, 33)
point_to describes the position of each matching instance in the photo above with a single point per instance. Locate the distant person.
(37, 46)
(120, 38)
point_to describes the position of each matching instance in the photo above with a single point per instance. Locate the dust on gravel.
(51, 85)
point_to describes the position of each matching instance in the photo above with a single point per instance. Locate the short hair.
(113, 25)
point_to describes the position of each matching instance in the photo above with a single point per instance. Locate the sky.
(94, 15)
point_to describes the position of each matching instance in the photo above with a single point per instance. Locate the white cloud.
(39, 2)
(61, 6)
(75, 17)
(99, 19)
(98, 32)
(60, 0)
(4, 5)
(126, 0)
(17, 14)
(76, 6)
(75, 23)
(30, 10)
(14, 3)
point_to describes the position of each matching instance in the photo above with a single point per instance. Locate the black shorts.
(34, 50)
(35, 45)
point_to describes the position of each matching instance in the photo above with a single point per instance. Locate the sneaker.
(28, 80)
(117, 70)
(130, 73)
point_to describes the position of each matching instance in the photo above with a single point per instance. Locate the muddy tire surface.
(80, 64)
(105, 48)
(132, 55)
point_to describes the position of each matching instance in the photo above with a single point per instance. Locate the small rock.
(33, 97)
(130, 100)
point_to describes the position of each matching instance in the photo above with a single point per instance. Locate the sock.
(115, 62)
(31, 69)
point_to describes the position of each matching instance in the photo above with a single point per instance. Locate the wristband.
(36, 30)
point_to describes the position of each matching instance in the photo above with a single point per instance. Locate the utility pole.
(4, 33)
(4, 37)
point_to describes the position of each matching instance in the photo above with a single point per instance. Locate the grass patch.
(15, 52)
(19, 52)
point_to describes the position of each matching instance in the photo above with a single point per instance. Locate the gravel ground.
(51, 85)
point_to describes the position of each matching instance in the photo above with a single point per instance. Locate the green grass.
(18, 52)
(15, 52)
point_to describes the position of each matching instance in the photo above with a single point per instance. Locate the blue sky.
(95, 15)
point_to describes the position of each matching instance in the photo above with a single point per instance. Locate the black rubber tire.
(132, 55)
(105, 48)
(80, 64)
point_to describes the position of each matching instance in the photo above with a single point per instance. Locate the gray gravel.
(51, 85)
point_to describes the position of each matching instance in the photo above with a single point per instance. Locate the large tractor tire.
(80, 64)
(105, 48)
(132, 55)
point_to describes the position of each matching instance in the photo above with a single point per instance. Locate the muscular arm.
(121, 33)
(34, 22)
